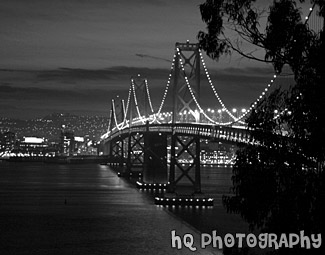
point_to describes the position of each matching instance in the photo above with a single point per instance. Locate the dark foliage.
(278, 183)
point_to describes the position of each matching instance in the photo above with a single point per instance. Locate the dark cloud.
(36, 102)
(112, 73)
(84, 89)
(33, 93)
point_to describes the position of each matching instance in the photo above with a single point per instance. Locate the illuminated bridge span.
(139, 136)
(235, 135)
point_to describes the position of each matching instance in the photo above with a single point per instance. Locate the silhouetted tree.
(278, 185)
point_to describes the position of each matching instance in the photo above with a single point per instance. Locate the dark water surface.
(87, 209)
(215, 182)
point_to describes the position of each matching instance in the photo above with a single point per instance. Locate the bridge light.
(234, 110)
(243, 110)
(219, 110)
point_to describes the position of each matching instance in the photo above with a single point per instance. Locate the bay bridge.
(157, 142)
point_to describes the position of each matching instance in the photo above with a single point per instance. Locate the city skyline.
(74, 56)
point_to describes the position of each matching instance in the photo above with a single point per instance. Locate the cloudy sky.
(75, 55)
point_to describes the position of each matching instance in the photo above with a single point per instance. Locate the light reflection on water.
(87, 209)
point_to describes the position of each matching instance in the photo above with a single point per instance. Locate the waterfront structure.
(67, 142)
(33, 146)
(7, 141)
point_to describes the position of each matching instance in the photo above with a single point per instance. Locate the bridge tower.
(139, 98)
(117, 114)
(187, 66)
(185, 178)
(138, 107)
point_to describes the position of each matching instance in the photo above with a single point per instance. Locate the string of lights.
(307, 18)
(148, 94)
(167, 86)
(136, 101)
(238, 119)
(114, 114)
(109, 121)
(193, 96)
(156, 115)
(165, 92)
(260, 97)
(127, 105)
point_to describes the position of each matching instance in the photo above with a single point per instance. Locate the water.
(215, 182)
(87, 209)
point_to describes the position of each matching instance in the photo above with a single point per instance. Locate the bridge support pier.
(105, 148)
(116, 151)
(135, 151)
(155, 158)
(184, 173)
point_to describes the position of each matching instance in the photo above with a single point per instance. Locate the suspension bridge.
(157, 142)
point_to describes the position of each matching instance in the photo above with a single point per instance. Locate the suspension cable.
(148, 94)
(136, 101)
(193, 96)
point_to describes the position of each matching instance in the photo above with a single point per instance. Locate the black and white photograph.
(162, 127)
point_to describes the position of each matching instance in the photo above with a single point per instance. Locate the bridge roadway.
(232, 135)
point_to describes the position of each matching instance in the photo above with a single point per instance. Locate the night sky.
(75, 55)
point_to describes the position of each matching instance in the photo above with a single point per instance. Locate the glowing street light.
(234, 111)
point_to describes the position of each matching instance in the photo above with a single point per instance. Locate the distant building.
(67, 142)
(32, 146)
(87, 147)
(71, 145)
(7, 141)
